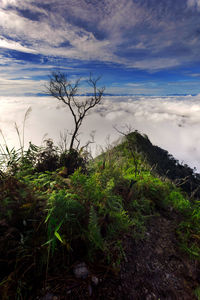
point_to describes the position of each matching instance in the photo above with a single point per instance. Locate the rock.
(90, 290)
(81, 271)
(95, 280)
(50, 296)
(151, 296)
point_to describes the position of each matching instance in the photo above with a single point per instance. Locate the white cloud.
(194, 3)
(155, 63)
(18, 79)
(172, 123)
(125, 26)
(5, 3)
(27, 4)
(18, 27)
(47, 35)
(19, 87)
(9, 44)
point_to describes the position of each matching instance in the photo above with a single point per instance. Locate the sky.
(146, 52)
(153, 45)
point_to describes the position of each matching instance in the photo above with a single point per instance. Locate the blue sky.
(139, 47)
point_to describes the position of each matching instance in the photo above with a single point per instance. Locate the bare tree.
(62, 89)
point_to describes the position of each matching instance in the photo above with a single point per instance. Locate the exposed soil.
(154, 268)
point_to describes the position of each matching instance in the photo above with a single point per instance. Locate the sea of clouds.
(172, 123)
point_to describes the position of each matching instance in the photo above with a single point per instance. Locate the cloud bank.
(172, 123)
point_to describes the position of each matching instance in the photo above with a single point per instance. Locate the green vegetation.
(197, 293)
(59, 208)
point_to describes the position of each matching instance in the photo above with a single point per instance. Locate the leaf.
(68, 246)
(48, 242)
(59, 225)
(57, 234)
(192, 251)
(196, 236)
(27, 205)
(58, 237)
(48, 216)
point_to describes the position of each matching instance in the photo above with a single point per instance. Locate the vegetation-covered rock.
(165, 165)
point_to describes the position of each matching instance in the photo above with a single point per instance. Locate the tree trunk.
(73, 137)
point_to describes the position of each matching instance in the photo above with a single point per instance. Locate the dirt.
(154, 269)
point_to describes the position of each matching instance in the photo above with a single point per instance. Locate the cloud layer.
(172, 123)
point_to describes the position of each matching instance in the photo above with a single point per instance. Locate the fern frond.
(94, 229)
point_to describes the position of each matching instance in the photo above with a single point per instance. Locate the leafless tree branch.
(60, 88)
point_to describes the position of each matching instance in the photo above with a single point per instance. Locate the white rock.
(81, 270)
(95, 280)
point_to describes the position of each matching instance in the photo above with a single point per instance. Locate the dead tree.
(62, 89)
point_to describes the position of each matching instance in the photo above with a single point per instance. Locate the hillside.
(123, 226)
(165, 165)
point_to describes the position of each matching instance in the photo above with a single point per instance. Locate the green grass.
(197, 292)
(85, 216)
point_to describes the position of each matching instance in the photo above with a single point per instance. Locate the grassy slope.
(48, 223)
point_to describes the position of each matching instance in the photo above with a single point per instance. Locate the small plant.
(189, 231)
(179, 202)
(197, 292)
(9, 158)
(65, 215)
(94, 230)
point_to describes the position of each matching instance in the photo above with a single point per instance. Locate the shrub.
(178, 201)
(47, 158)
(72, 161)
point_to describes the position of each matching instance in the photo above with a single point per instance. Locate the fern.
(94, 229)
(65, 214)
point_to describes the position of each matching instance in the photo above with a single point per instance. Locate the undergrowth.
(51, 217)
